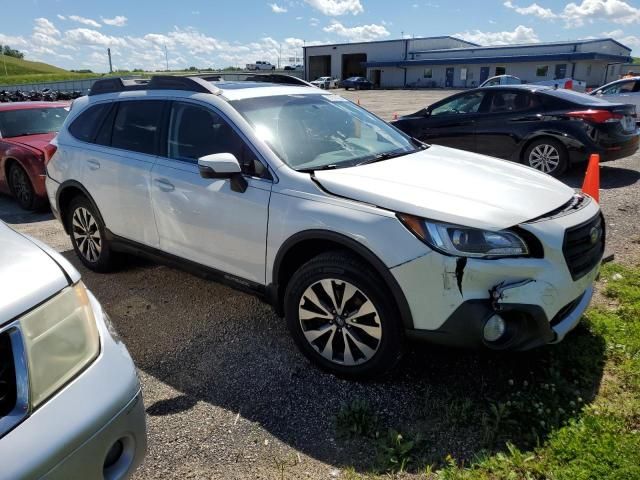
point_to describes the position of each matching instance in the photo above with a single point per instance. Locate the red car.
(26, 128)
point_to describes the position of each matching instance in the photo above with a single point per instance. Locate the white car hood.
(28, 275)
(452, 186)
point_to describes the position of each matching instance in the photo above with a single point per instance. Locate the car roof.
(31, 105)
(524, 86)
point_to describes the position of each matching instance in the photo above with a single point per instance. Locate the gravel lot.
(229, 396)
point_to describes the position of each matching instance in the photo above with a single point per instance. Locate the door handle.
(93, 164)
(164, 185)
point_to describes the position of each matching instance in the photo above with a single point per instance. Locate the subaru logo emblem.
(594, 235)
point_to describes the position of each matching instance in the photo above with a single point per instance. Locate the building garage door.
(352, 65)
(319, 66)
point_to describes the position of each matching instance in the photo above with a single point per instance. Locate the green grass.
(24, 71)
(580, 420)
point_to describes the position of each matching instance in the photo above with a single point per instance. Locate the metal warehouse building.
(454, 63)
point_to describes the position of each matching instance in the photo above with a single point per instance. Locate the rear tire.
(342, 318)
(22, 188)
(87, 232)
(548, 156)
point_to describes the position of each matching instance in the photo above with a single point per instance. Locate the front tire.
(548, 156)
(342, 318)
(87, 232)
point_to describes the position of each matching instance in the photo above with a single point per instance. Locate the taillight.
(596, 116)
(49, 150)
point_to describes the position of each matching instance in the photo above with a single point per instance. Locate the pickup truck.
(260, 66)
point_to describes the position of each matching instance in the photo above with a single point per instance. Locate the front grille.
(8, 390)
(14, 379)
(583, 246)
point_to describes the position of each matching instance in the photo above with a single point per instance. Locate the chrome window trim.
(21, 409)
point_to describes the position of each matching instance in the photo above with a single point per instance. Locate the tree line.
(11, 52)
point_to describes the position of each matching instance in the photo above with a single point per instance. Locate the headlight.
(60, 338)
(466, 241)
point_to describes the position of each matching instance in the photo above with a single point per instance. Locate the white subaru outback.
(359, 235)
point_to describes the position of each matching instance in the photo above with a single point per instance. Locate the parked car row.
(360, 235)
(45, 95)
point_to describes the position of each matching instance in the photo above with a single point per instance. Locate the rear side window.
(85, 126)
(136, 126)
(502, 102)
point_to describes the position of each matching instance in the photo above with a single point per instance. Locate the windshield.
(15, 123)
(311, 132)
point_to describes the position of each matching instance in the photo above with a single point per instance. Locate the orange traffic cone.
(591, 185)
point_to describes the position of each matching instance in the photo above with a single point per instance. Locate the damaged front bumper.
(536, 300)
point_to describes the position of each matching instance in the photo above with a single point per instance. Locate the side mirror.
(223, 165)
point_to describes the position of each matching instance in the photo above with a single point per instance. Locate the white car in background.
(625, 90)
(259, 65)
(566, 83)
(325, 82)
(70, 400)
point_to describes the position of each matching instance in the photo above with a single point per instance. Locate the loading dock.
(353, 65)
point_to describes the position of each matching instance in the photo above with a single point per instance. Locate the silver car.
(625, 90)
(70, 400)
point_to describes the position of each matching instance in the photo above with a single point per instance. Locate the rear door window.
(85, 126)
(136, 126)
(510, 101)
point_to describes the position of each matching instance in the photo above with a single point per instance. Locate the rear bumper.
(69, 436)
(615, 152)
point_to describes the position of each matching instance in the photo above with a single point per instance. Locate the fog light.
(114, 454)
(494, 328)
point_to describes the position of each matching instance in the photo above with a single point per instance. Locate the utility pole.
(4, 60)
(110, 64)
(279, 56)
(166, 56)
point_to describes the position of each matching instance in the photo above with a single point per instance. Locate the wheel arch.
(303, 246)
(67, 191)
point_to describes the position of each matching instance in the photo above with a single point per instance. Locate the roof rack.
(157, 82)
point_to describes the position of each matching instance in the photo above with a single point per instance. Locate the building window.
(428, 73)
(501, 70)
(463, 73)
(542, 70)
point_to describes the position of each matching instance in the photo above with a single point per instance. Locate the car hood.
(28, 275)
(37, 142)
(452, 186)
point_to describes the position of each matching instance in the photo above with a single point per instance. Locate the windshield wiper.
(384, 156)
(331, 166)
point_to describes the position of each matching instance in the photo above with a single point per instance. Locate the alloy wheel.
(544, 157)
(340, 322)
(21, 186)
(86, 234)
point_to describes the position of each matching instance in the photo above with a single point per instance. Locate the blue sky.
(75, 34)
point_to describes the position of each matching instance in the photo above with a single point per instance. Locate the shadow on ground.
(223, 347)
(611, 176)
(11, 212)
